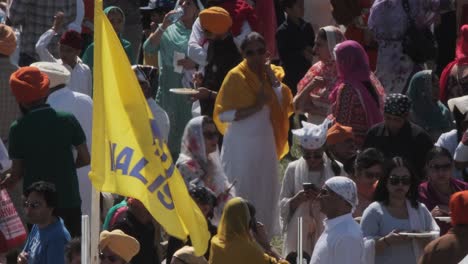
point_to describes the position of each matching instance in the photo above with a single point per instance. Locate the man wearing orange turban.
(340, 143)
(41, 144)
(9, 110)
(453, 246)
(223, 55)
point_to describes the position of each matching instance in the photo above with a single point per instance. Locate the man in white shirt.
(61, 98)
(143, 73)
(341, 241)
(70, 48)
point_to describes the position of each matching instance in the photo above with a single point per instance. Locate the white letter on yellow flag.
(128, 156)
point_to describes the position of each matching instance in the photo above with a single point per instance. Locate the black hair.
(368, 158)
(252, 37)
(46, 189)
(208, 120)
(292, 257)
(322, 34)
(372, 91)
(252, 212)
(459, 120)
(72, 247)
(285, 4)
(203, 195)
(381, 192)
(334, 165)
(436, 152)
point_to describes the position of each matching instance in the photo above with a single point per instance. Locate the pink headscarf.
(353, 68)
(461, 58)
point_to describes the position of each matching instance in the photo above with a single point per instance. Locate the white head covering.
(334, 36)
(312, 136)
(344, 187)
(460, 102)
(57, 73)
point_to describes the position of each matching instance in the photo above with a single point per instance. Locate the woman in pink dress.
(359, 95)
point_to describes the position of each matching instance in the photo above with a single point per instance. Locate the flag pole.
(299, 240)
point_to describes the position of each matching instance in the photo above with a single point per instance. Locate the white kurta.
(80, 76)
(249, 157)
(81, 106)
(296, 174)
(341, 242)
(161, 118)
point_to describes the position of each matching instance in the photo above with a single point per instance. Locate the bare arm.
(17, 172)
(83, 158)
(155, 37)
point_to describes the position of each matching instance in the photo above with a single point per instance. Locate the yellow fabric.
(233, 243)
(129, 156)
(121, 244)
(239, 90)
(215, 19)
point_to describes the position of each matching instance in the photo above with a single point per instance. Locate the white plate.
(188, 91)
(446, 219)
(416, 234)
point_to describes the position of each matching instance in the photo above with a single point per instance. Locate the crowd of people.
(351, 115)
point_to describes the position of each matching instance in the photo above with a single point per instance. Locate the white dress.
(249, 157)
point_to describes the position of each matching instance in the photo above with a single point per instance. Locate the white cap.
(460, 102)
(344, 187)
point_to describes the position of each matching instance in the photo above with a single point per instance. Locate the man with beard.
(222, 56)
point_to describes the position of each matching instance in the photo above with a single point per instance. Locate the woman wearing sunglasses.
(395, 212)
(199, 161)
(440, 185)
(301, 183)
(252, 110)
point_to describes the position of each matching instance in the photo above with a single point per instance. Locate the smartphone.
(307, 186)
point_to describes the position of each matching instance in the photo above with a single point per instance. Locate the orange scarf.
(239, 90)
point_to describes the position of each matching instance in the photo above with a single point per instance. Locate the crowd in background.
(351, 115)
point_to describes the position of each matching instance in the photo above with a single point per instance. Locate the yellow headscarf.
(239, 90)
(233, 243)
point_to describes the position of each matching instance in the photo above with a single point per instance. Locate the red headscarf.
(240, 11)
(72, 39)
(28, 84)
(459, 208)
(461, 58)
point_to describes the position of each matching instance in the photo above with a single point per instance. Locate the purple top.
(429, 197)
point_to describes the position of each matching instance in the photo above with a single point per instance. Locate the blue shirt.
(47, 245)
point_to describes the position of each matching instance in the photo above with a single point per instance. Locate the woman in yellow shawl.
(252, 110)
(234, 243)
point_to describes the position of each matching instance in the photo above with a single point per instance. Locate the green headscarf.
(429, 114)
(110, 8)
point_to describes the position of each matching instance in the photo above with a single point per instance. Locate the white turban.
(312, 136)
(57, 73)
(344, 187)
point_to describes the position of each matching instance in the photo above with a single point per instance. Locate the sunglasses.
(437, 167)
(211, 134)
(32, 205)
(110, 258)
(395, 180)
(260, 51)
(324, 192)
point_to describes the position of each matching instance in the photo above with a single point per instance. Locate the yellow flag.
(128, 154)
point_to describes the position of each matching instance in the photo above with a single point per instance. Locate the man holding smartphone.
(300, 187)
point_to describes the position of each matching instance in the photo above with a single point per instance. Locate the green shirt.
(43, 139)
